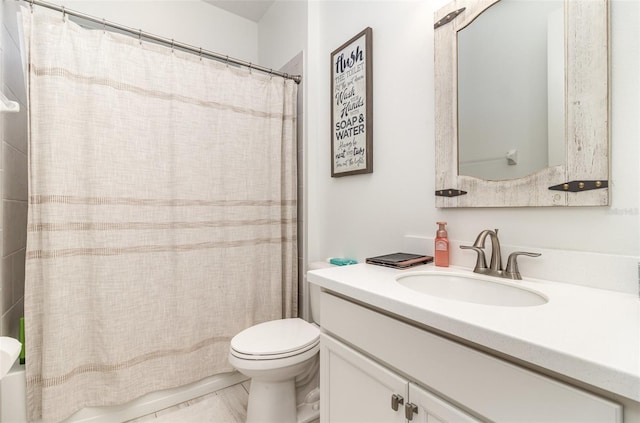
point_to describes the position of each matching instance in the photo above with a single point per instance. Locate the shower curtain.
(162, 214)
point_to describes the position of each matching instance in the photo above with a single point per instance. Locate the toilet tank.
(314, 292)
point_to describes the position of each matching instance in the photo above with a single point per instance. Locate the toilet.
(281, 358)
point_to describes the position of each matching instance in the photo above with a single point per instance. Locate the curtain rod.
(174, 44)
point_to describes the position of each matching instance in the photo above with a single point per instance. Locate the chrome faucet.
(495, 266)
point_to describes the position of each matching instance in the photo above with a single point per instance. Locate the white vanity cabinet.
(368, 356)
(356, 389)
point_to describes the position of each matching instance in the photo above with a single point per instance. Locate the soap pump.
(441, 246)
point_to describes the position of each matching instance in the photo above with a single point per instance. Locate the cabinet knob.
(395, 401)
(409, 410)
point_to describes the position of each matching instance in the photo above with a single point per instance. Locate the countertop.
(591, 335)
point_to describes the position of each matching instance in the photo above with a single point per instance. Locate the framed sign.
(352, 107)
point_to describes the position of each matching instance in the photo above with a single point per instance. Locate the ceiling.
(251, 9)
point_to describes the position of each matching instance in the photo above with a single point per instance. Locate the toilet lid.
(276, 337)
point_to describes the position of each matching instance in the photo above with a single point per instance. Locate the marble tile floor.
(225, 406)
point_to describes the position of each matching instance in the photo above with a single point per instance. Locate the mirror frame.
(586, 102)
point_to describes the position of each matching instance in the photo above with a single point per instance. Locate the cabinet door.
(356, 389)
(431, 409)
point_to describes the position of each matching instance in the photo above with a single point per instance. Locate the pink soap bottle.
(442, 246)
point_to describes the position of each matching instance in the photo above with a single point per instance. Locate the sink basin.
(471, 289)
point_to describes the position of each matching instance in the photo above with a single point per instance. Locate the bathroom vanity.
(391, 353)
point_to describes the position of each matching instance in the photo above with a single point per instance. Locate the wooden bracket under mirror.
(477, 84)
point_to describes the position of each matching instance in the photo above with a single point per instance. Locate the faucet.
(495, 266)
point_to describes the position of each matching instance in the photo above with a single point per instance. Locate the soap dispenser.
(441, 246)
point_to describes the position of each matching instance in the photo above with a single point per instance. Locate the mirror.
(521, 103)
(511, 116)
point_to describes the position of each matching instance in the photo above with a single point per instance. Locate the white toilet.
(278, 356)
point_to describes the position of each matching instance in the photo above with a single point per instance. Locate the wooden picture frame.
(352, 106)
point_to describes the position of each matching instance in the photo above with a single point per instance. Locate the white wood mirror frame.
(586, 168)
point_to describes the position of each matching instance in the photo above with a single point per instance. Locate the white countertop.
(591, 335)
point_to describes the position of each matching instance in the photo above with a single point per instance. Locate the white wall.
(192, 22)
(282, 33)
(364, 215)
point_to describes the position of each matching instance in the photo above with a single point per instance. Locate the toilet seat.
(275, 339)
(274, 356)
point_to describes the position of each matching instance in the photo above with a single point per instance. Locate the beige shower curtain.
(162, 214)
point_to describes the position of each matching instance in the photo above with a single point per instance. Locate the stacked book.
(400, 260)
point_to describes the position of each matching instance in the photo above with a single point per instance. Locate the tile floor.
(225, 406)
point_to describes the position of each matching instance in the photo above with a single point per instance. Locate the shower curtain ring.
(140, 36)
(201, 54)
(250, 65)
(104, 25)
(227, 61)
(31, 6)
(172, 43)
(270, 73)
(64, 15)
